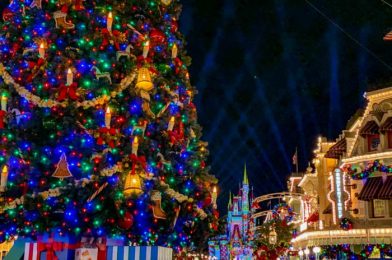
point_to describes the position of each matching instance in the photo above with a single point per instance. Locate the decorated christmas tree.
(99, 132)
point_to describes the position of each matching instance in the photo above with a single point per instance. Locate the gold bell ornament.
(133, 184)
(144, 80)
(166, 2)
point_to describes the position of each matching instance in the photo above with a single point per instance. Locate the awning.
(386, 189)
(337, 150)
(370, 128)
(313, 218)
(328, 209)
(371, 189)
(387, 126)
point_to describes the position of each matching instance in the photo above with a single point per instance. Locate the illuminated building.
(350, 189)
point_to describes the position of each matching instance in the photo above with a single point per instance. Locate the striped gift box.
(139, 253)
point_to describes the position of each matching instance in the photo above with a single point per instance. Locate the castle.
(237, 242)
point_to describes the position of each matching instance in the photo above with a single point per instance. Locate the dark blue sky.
(275, 74)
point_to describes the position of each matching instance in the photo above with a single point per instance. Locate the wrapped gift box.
(46, 251)
(50, 247)
(139, 253)
(86, 254)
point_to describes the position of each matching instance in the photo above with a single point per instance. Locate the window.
(389, 135)
(373, 142)
(379, 208)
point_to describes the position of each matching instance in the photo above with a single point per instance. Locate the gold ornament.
(133, 184)
(62, 170)
(144, 80)
(166, 2)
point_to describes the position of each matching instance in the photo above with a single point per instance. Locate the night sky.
(274, 75)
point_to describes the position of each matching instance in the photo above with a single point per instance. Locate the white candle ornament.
(69, 77)
(135, 145)
(170, 126)
(108, 117)
(41, 50)
(4, 100)
(174, 51)
(4, 177)
(109, 22)
(146, 48)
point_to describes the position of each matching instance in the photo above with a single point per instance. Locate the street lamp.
(301, 254)
(307, 252)
(273, 237)
(316, 250)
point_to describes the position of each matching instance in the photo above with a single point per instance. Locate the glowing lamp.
(307, 251)
(273, 237)
(144, 80)
(132, 185)
(4, 177)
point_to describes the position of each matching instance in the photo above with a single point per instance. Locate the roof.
(337, 150)
(370, 128)
(372, 188)
(387, 125)
(386, 189)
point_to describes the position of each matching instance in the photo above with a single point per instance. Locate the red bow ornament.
(50, 248)
(35, 68)
(67, 91)
(141, 160)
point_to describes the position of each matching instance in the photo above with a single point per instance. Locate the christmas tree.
(99, 132)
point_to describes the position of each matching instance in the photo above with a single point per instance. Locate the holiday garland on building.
(99, 132)
(358, 173)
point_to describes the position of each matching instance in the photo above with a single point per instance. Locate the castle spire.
(245, 181)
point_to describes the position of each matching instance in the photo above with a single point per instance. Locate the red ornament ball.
(207, 201)
(7, 14)
(157, 37)
(174, 26)
(126, 222)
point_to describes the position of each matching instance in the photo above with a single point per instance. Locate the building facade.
(349, 192)
(237, 242)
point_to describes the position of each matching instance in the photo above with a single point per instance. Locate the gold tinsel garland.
(36, 100)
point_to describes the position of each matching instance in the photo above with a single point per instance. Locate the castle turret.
(245, 193)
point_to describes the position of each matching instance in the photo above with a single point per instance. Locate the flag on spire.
(295, 157)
